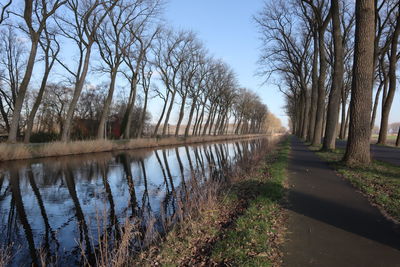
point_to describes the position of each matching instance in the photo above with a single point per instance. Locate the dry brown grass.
(73, 148)
(22, 151)
(199, 217)
(115, 253)
(14, 151)
(210, 207)
(5, 256)
(195, 211)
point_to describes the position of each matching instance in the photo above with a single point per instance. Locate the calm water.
(55, 207)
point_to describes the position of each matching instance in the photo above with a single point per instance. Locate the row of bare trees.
(330, 56)
(52, 51)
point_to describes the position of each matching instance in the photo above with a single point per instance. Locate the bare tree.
(322, 15)
(35, 17)
(287, 53)
(145, 80)
(134, 56)
(81, 27)
(196, 90)
(12, 64)
(187, 75)
(3, 12)
(170, 53)
(111, 44)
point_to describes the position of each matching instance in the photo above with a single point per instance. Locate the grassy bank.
(379, 181)
(242, 226)
(29, 151)
(255, 238)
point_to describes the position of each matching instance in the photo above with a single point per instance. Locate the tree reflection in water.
(57, 202)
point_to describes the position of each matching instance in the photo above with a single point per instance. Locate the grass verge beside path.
(380, 181)
(243, 227)
(255, 238)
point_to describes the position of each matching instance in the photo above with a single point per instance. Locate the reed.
(14, 151)
(55, 149)
(211, 206)
(5, 256)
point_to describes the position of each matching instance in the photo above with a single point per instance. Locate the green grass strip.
(251, 241)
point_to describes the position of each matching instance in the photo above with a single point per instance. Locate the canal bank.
(66, 210)
(55, 149)
(243, 226)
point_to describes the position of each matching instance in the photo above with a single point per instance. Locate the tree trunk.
(210, 114)
(143, 117)
(196, 120)
(375, 108)
(314, 89)
(321, 90)
(4, 115)
(238, 125)
(346, 124)
(344, 113)
(181, 115)
(358, 145)
(107, 104)
(169, 112)
(65, 135)
(392, 84)
(342, 121)
(201, 119)
(36, 105)
(130, 108)
(191, 112)
(306, 118)
(212, 121)
(298, 119)
(161, 116)
(217, 123)
(12, 135)
(398, 138)
(337, 81)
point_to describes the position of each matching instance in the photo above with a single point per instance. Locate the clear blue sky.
(228, 31)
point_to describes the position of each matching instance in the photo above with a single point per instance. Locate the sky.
(228, 31)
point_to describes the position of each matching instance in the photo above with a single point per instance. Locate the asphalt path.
(330, 223)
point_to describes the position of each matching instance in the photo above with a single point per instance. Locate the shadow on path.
(330, 223)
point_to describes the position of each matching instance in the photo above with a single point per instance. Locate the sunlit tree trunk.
(358, 145)
(337, 81)
(321, 89)
(387, 105)
(171, 104)
(107, 104)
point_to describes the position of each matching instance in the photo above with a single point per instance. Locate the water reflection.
(53, 209)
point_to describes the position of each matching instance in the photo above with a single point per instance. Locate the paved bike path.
(330, 223)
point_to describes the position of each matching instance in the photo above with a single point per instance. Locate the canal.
(56, 208)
